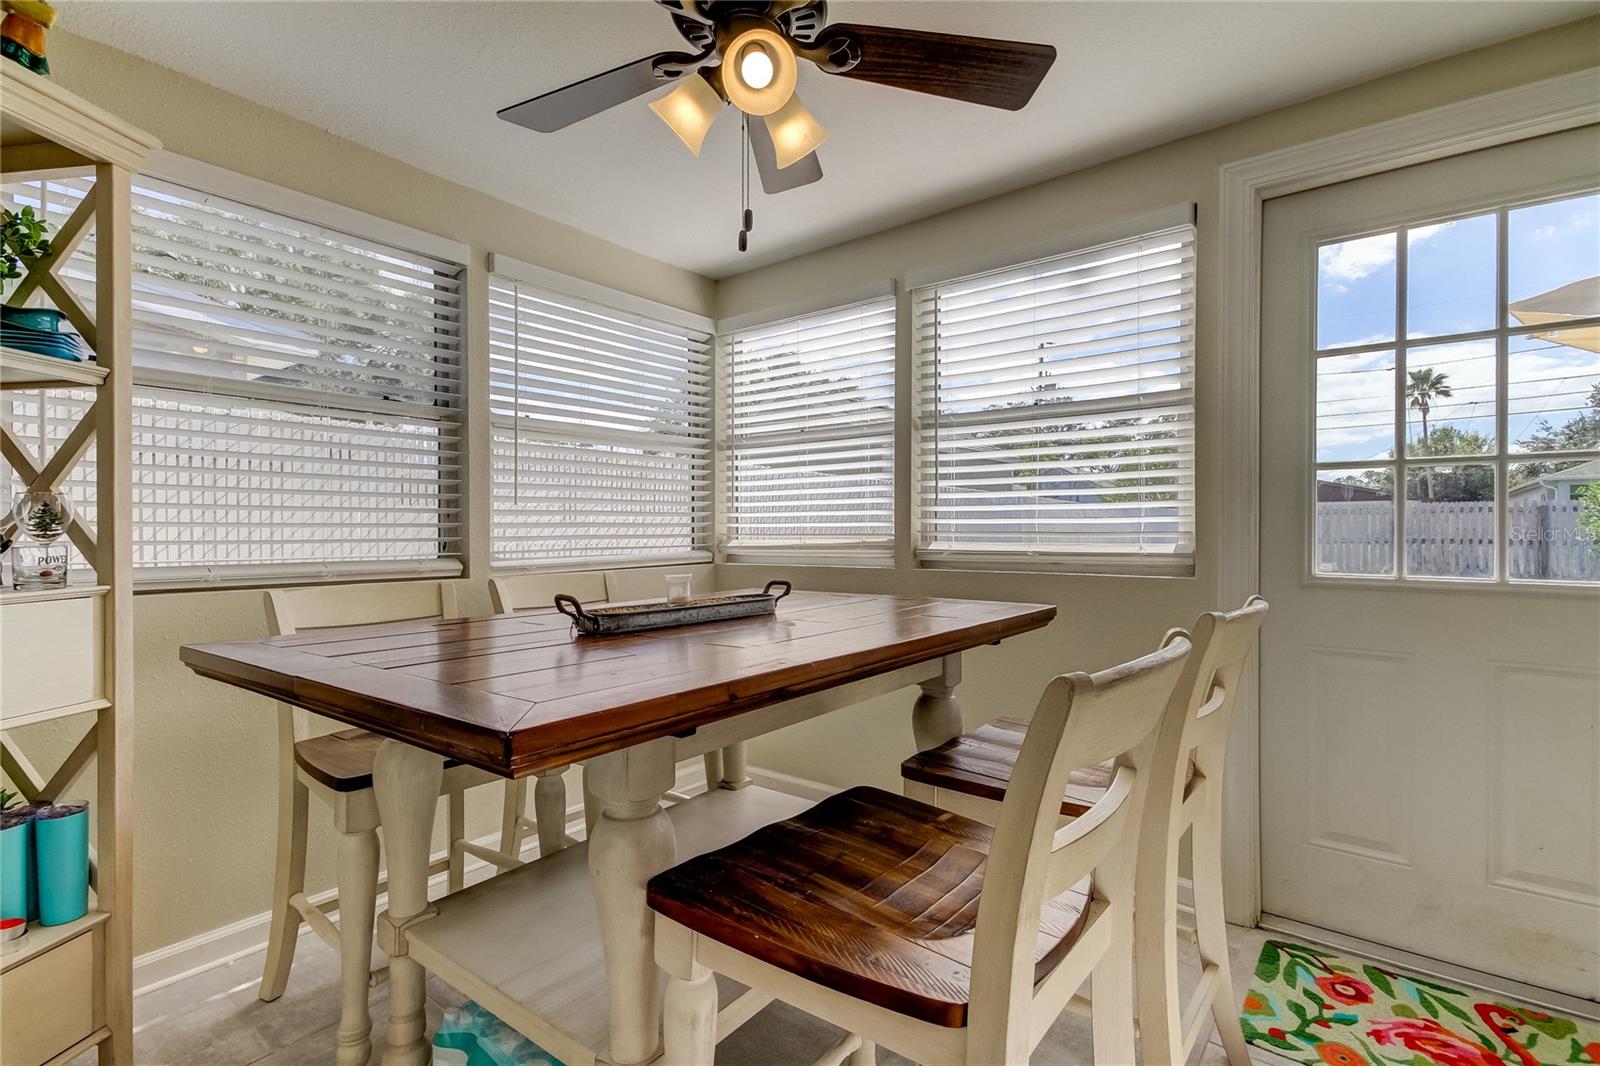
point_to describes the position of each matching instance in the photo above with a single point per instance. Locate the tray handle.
(569, 606)
(786, 586)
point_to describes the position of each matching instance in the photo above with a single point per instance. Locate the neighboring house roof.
(1587, 471)
(1584, 471)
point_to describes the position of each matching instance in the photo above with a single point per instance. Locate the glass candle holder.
(678, 587)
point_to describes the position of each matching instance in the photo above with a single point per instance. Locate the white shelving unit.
(68, 653)
(25, 370)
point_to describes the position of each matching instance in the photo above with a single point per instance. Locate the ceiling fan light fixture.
(795, 132)
(763, 71)
(689, 110)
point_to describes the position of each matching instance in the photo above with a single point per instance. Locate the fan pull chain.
(747, 217)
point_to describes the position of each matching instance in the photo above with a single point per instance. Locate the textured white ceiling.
(422, 81)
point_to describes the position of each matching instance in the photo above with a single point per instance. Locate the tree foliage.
(1423, 387)
(1579, 433)
(1446, 482)
(1588, 497)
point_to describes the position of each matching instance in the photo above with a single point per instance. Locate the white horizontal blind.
(1056, 408)
(810, 440)
(601, 431)
(297, 396)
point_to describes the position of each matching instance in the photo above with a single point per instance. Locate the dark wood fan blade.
(979, 70)
(562, 107)
(800, 172)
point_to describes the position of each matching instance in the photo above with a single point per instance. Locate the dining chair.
(725, 767)
(972, 774)
(337, 768)
(520, 593)
(922, 930)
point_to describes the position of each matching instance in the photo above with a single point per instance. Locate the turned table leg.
(406, 780)
(632, 842)
(936, 716)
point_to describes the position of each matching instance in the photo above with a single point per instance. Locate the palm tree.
(1425, 386)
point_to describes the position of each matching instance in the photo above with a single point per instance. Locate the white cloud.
(1354, 260)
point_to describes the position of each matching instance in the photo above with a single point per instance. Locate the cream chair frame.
(1081, 720)
(1169, 1028)
(1196, 728)
(725, 768)
(355, 814)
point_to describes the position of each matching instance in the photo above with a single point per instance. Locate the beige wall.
(204, 782)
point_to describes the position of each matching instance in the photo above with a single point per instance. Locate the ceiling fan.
(746, 53)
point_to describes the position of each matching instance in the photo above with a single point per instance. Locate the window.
(810, 472)
(1458, 398)
(297, 392)
(1056, 410)
(601, 416)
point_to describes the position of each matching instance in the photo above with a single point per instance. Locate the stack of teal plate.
(36, 330)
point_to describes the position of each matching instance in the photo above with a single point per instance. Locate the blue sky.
(1451, 269)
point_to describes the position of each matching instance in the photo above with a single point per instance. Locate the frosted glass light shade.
(689, 111)
(795, 133)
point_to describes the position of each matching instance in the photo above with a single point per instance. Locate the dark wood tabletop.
(520, 693)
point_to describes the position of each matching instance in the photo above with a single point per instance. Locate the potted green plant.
(24, 238)
(24, 235)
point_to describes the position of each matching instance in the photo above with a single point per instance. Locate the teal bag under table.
(471, 1036)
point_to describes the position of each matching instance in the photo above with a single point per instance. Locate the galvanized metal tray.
(616, 619)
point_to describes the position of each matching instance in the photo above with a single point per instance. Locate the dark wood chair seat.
(980, 764)
(342, 761)
(868, 893)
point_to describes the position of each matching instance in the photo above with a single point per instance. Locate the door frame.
(1515, 114)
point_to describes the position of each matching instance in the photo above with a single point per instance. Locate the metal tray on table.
(614, 619)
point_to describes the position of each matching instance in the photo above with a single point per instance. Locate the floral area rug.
(1321, 1008)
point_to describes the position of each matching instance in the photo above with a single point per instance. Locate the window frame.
(205, 179)
(1501, 459)
(1066, 562)
(863, 554)
(503, 268)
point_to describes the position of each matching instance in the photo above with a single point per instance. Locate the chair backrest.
(523, 591)
(294, 610)
(1196, 727)
(1210, 688)
(1082, 720)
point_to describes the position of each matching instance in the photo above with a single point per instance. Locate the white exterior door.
(1430, 706)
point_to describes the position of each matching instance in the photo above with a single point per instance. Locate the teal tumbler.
(61, 851)
(16, 865)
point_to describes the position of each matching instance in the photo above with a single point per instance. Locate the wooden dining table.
(562, 948)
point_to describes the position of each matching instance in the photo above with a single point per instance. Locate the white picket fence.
(1457, 540)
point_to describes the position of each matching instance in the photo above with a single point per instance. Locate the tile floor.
(214, 1018)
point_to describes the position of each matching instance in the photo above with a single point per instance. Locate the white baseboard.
(803, 787)
(218, 947)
